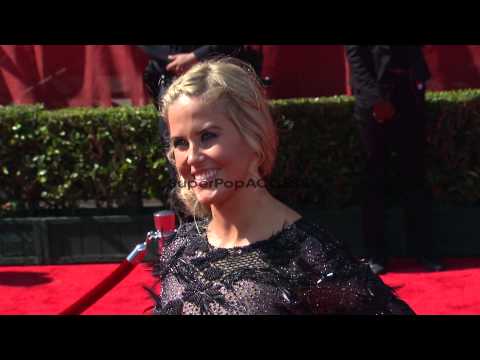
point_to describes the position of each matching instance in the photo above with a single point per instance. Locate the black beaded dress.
(302, 269)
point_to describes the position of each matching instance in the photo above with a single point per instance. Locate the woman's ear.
(254, 167)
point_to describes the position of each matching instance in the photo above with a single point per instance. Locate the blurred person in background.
(388, 83)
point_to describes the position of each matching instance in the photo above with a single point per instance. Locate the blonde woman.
(246, 252)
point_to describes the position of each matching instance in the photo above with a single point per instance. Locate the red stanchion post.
(165, 225)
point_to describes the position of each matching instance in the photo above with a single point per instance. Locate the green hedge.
(57, 159)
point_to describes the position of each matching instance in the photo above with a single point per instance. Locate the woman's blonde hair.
(233, 84)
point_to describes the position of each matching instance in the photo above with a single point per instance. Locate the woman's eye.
(208, 136)
(177, 143)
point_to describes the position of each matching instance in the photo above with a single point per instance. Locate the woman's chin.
(207, 197)
(212, 196)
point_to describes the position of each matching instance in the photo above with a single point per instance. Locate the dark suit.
(370, 66)
(396, 74)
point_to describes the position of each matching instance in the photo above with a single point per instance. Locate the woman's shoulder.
(186, 234)
(340, 283)
(317, 243)
(316, 233)
(189, 228)
(177, 246)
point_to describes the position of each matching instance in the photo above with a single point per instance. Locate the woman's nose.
(194, 155)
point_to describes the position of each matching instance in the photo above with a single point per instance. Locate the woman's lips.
(204, 177)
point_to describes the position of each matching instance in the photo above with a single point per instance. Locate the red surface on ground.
(47, 290)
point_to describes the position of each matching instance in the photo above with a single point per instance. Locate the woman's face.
(209, 151)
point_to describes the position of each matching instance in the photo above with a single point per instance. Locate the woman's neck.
(248, 217)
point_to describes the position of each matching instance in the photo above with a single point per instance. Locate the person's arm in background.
(179, 63)
(207, 51)
(361, 65)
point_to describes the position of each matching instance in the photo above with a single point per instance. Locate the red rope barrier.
(100, 290)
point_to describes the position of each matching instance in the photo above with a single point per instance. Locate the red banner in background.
(305, 70)
(71, 75)
(453, 66)
(105, 75)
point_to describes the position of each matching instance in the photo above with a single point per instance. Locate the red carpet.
(47, 290)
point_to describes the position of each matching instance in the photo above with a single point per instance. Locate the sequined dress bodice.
(300, 270)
